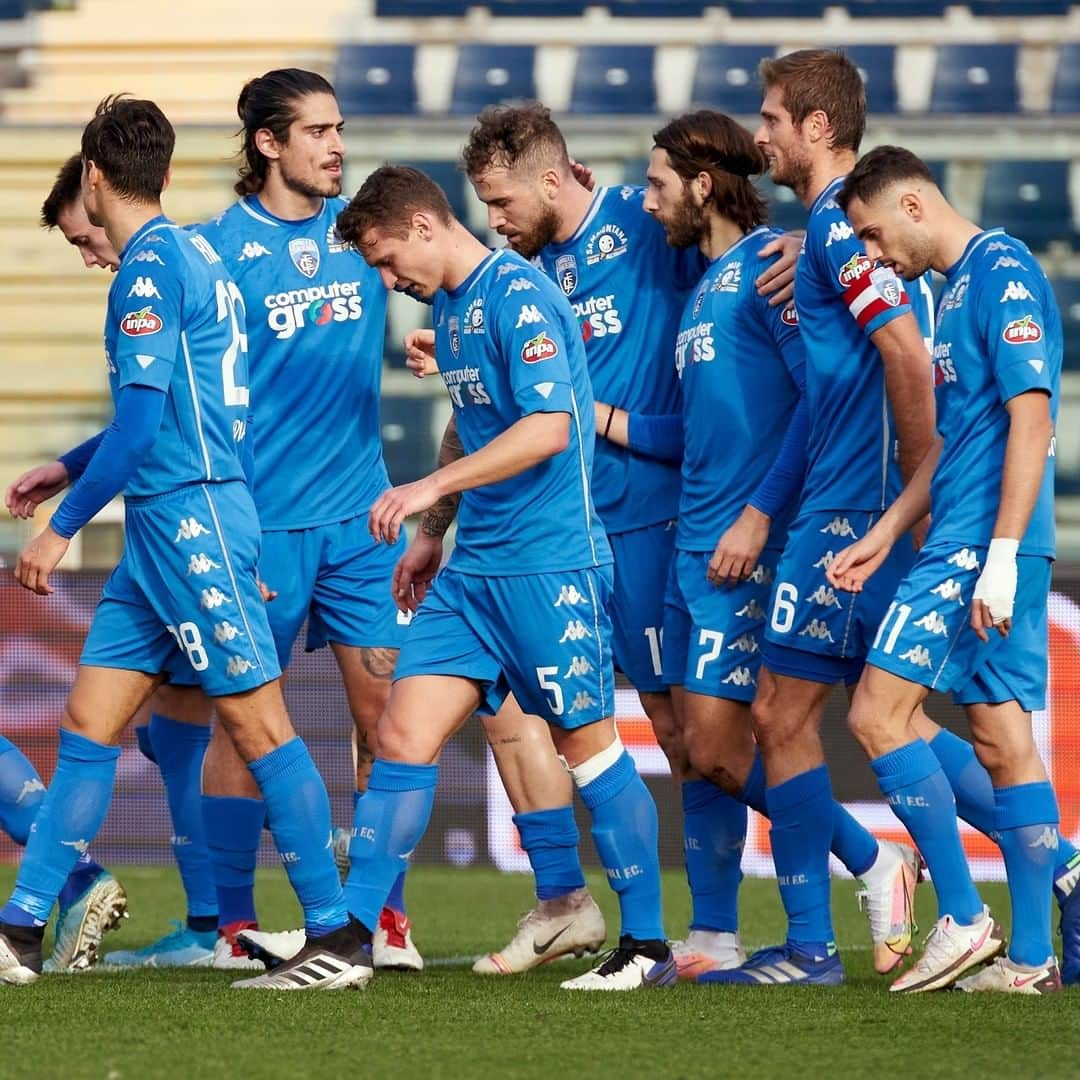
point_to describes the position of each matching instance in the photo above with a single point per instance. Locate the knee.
(399, 740)
(878, 723)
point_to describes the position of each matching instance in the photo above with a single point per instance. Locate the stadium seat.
(376, 80)
(665, 9)
(534, 8)
(1030, 199)
(877, 66)
(1018, 7)
(614, 79)
(489, 74)
(1067, 291)
(784, 9)
(409, 8)
(879, 8)
(726, 78)
(785, 210)
(409, 446)
(12, 9)
(450, 178)
(975, 79)
(1065, 96)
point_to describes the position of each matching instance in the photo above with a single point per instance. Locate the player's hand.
(738, 550)
(851, 569)
(394, 506)
(38, 560)
(416, 570)
(420, 353)
(34, 487)
(777, 281)
(583, 175)
(266, 592)
(995, 591)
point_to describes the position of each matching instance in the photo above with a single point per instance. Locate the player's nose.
(649, 203)
(496, 218)
(90, 260)
(761, 136)
(389, 279)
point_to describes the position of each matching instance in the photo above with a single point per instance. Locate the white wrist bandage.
(996, 586)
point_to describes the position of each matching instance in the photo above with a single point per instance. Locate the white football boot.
(950, 950)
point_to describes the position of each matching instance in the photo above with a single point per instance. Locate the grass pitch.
(448, 1022)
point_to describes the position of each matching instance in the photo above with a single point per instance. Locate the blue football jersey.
(999, 335)
(740, 363)
(507, 346)
(176, 322)
(843, 298)
(316, 318)
(627, 287)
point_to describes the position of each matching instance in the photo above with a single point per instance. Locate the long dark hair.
(269, 102)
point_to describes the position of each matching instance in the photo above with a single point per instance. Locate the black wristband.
(607, 426)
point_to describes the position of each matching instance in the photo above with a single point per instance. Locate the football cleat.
(784, 965)
(950, 950)
(180, 948)
(229, 955)
(888, 898)
(271, 947)
(337, 961)
(20, 954)
(634, 965)
(707, 950)
(1004, 977)
(81, 925)
(1067, 893)
(392, 945)
(571, 924)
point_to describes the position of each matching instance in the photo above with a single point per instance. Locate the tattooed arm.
(437, 520)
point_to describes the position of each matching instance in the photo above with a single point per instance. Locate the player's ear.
(551, 181)
(702, 187)
(817, 126)
(266, 144)
(168, 179)
(420, 223)
(911, 205)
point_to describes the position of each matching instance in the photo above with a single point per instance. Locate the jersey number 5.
(228, 299)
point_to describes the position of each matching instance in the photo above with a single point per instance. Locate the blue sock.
(68, 819)
(550, 839)
(920, 796)
(624, 828)
(21, 792)
(179, 750)
(853, 844)
(1026, 821)
(298, 810)
(974, 791)
(146, 747)
(714, 832)
(396, 897)
(233, 827)
(390, 821)
(801, 812)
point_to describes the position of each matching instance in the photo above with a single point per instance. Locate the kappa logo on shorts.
(582, 700)
(29, 787)
(965, 558)
(762, 575)
(569, 594)
(578, 666)
(949, 589)
(575, 631)
(744, 643)
(840, 526)
(213, 598)
(740, 676)
(190, 529)
(818, 630)
(825, 561)
(933, 623)
(238, 665)
(751, 610)
(201, 564)
(225, 632)
(919, 655)
(825, 597)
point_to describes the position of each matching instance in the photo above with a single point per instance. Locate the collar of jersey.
(827, 192)
(255, 208)
(972, 244)
(475, 275)
(154, 223)
(586, 221)
(727, 252)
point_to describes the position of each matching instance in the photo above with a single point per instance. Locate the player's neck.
(574, 204)
(955, 234)
(464, 254)
(285, 203)
(722, 233)
(823, 172)
(123, 219)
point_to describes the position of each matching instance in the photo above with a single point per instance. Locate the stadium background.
(988, 92)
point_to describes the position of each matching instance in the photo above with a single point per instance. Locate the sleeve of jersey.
(148, 307)
(659, 436)
(531, 333)
(78, 457)
(1014, 324)
(874, 295)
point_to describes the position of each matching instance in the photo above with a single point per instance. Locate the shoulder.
(1004, 265)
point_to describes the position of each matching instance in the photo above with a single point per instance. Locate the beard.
(794, 173)
(531, 241)
(328, 189)
(688, 224)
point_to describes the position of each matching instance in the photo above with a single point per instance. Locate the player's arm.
(658, 436)
(777, 281)
(42, 482)
(437, 519)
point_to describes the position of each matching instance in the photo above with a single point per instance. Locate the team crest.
(304, 253)
(607, 243)
(454, 327)
(566, 273)
(887, 284)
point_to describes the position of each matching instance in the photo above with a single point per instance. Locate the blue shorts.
(712, 635)
(816, 632)
(186, 587)
(642, 559)
(926, 637)
(546, 638)
(337, 578)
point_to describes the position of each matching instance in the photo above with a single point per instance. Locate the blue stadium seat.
(877, 66)
(450, 178)
(408, 8)
(1065, 96)
(533, 8)
(1067, 291)
(785, 210)
(665, 9)
(489, 74)
(975, 79)
(376, 80)
(13, 9)
(1030, 199)
(726, 78)
(888, 8)
(1018, 7)
(614, 79)
(409, 446)
(784, 9)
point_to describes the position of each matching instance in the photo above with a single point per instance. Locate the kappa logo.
(818, 630)
(744, 643)
(566, 273)
(29, 787)
(751, 610)
(919, 655)
(608, 242)
(838, 232)
(887, 285)
(1015, 290)
(575, 631)
(149, 257)
(213, 598)
(858, 266)
(839, 527)
(790, 315)
(190, 529)
(762, 575)
(454, 328)
(238, 665)
(739, 676)
(141, 323)
(570, 594)
(950, 590)
(529, 315)
(1048, 839)
(1025, 331)
(825, 561)
(201, 564)
(144, 288)
(304, 253)
(965, 558)
(579, 665)
(825, 597)
(81, 846)
(999, 245)
(504, 269)
(1007, 262)
(933, 623)
(519, 284)
(252, 249)
(582, 700)
(225, 632)
(539, 348)
(474, 317)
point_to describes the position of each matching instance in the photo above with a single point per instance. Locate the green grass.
(449, 1023)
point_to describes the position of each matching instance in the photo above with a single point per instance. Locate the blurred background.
(988, 92)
